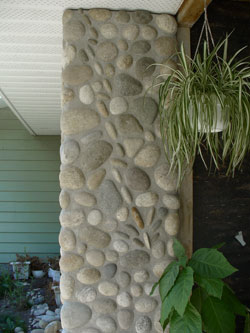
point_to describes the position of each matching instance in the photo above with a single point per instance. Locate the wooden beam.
(190, 11)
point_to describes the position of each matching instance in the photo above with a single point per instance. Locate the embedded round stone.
(165, 180)
(71, 218)
(97, 86)
(109, 70)
(127, 124)
(118, 105)
(122, 214)
(145, 109)
(106, 324)
(69, 54)
(148, 32)
(136, 290)
(147, 199)
(130, 32)
(146, 304)
(122, 45)
(70, 262)
(81, 248)
(167, 67)
(74, 315)
(67, 15)
(94, 237)
(124, 299)
(171, 201)
(132, 146)
(124, 279)
(126, 195)
(135, 259)
(124, 61)
(73, 31)
(121, 246)
(64, 199)
(86, 295)
(137, 217)
(125, 318)
(167, 23)
(148, 156)
(142, 17)
(71, 178)
(67, 239)
(67, 285)
(109, 198)
(112, 255)
(140, 47)
(88, 275)
(106, 51)
(107, 288)
(95, 217)
(95, 258)
(100, 15)
(86, 94)
(137, 179)
(165, 46)
(111, 130)
(85, 199)
(172, 223)
(143, 325)
(104, 305)
(159, 268)
(95, 179)
(158, 249)
(149, 136)
(141, 276)
(109, 30)
(93, 136)
(67, 95)
(79, 120)
(109, 271)
(122, 16)
(126, 85)
(75, 74)
(170, 248)
(94, 154)
(69, 151)
(143, 67)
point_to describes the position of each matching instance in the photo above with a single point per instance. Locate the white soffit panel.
(30, 54)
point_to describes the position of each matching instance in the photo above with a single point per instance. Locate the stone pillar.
(119, 206)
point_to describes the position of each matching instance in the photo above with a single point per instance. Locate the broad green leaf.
(218, 246)
(247, 324)
(181, 291)
(166, 309)
(216, 316)
(214, 287)
(167, 282)
(211, 263)
(153, 288)
(234, 305)
(179, 250)
(198, 297)
(190, 322)
(183, 261)
(167, 269)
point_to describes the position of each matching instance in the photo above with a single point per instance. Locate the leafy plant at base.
(8, 323)
(194, 297)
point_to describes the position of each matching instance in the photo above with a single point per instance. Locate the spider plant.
(194, 97)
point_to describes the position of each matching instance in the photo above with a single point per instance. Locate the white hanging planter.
(55, 275)
(38, 274)
(20, 270)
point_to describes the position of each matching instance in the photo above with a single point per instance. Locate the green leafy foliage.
(214, 287)
(190, 322)
(247, 324)
(8, 323)
(168, 281)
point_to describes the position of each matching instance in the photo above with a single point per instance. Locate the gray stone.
(159, 268)
(132, 146)
(79, 120)
(106, 324)
(143, 325)
(110, 225)
(83, 56)
(70, 262)
(107, 288)
(150, 216)
(127, 125)
(140, 47)
(98, 68)
(67, 15)
(104, 305)
(124, 299)
(71, 218)
(69, 54)
(67, 95)
(165, 46)
(126, 85)
(148, 32)
(122, 214)
(86, 94)
(109, 271)
(53, 327)
(148, 156)
(167, 23)
(135, 259)
(75, 74)
(168, 67)
(95, 179)
(146, 304)
(71, 178)
(121, 234)
(170, 248)
(110, 128)
(171, 201)
(94, 237)
(112, 255)
(88, 275)
(122, 16)
(158, 249)
(90, 330)
(118, 105)
(87, 295)
(81, 248)
(64, 199)
(102, 109)
(109, 70)
(143, 67)
(107, 86)
(141, 276)
(136, 290)
(147, 199)
(116, 162)
(142, 17)
(124, 279)
(125, 319)
(100, 15)
(124, 61)
(137, 217)
(109, 30)
(137, 179)
(122, 45)
(85, 199)
(74, 315)
(106, 51)
(132, 230)
(93, 136)
(117, 176)
(145, 109)
(95, 217)
(67, 285)
(109, 198)
(94, 154)
(164, 179)
(95, 258)
(69, 151)
(73, 31)
(67, 239)
(121, 246)
(97, 86)
(93, 32)
(130, 32)
(162, 212)
(126, 195)
(172, 224)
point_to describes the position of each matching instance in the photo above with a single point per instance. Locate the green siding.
(29, 190)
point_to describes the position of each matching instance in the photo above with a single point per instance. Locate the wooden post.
(190, 11)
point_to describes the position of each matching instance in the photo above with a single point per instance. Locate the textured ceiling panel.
(30, 54)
